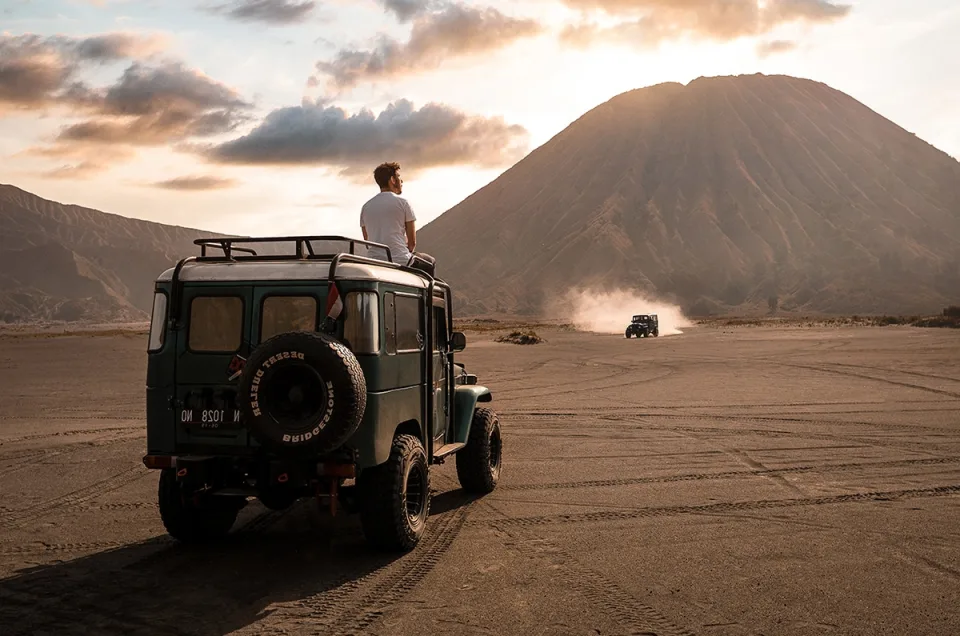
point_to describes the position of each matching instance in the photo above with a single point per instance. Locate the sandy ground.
(725, 481)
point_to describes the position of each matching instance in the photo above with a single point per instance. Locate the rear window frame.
(288, 294)
(243, 323)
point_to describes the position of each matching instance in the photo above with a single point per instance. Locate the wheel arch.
(464, 404)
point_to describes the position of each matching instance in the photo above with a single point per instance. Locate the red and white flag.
(334, 303)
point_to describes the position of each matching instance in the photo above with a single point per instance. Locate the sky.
(267, 117)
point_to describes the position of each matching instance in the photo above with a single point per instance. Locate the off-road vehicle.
(643, 326)
(317, 368)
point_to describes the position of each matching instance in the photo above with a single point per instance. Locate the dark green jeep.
(316, 368)
(643, 326)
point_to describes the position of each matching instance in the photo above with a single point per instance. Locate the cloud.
(406, 10)
(646, 23)
(40, 71)
(772, 47)
(118, 46)
(455, 31)
(84, 161)
(153, 105)
(82, 170)
(153, 102)
(268, 11)
(195, 183)
(318, 134)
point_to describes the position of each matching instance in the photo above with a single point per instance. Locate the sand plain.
(735, 480)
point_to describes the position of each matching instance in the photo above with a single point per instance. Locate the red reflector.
(159, 461)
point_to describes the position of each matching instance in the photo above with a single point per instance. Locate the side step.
(443, 451)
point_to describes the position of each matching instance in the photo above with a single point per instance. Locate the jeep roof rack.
(303, 248)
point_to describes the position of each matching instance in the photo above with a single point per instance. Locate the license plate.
(211, 418)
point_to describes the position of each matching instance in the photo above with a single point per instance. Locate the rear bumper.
(342, 469)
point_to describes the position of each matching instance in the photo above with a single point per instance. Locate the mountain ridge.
(66, 262)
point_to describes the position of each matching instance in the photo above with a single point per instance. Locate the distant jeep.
(643, 326)
(316, 369)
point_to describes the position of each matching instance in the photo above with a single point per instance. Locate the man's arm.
(411, 227)
(364, 229)
(410, 223)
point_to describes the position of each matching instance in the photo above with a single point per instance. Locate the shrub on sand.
(528, 337)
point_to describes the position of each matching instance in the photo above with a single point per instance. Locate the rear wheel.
(478, 465)
(395, 497)
(191, 517)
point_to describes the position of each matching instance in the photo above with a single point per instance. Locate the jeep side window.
(216, 324)
(361, 325)
(440, 329)
(158, 322)
(282, 314)
(409, 337)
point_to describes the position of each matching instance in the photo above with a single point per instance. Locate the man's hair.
(385, 172)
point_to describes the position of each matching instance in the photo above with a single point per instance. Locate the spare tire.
(302, 393)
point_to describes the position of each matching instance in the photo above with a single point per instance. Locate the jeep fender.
(464, 403)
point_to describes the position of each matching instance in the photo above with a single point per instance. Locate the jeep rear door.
(216, 328)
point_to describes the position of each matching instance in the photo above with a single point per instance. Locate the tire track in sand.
(731, 474)
(765, 504)
(23, 516)
(351, 606)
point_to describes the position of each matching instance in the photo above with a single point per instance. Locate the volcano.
(728, 194)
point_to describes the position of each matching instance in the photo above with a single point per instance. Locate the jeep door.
(217, 327)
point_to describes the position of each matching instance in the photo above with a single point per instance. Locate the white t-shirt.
(385, 216)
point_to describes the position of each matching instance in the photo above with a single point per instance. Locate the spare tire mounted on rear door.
(302, 392)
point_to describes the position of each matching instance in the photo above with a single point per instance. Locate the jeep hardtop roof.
(307, 258)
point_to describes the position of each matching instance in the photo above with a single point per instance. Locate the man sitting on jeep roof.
(388, 218)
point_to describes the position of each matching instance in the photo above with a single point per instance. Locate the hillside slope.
(66, 262)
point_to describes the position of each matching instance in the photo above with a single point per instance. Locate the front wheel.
(478, 465)
(627, 334)
(395, 497)
(192, 518)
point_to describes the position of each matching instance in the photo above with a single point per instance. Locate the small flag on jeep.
(334, 304)
(334, 307)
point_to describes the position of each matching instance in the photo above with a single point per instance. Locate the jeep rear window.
(158, 322)
(282, 314)
(216, 324)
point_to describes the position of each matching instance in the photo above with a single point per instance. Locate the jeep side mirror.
(458, 341)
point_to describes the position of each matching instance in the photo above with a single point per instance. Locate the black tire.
(190, 521)
(627, 334)
(395, 497)
(302, 393)
(478, 465)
